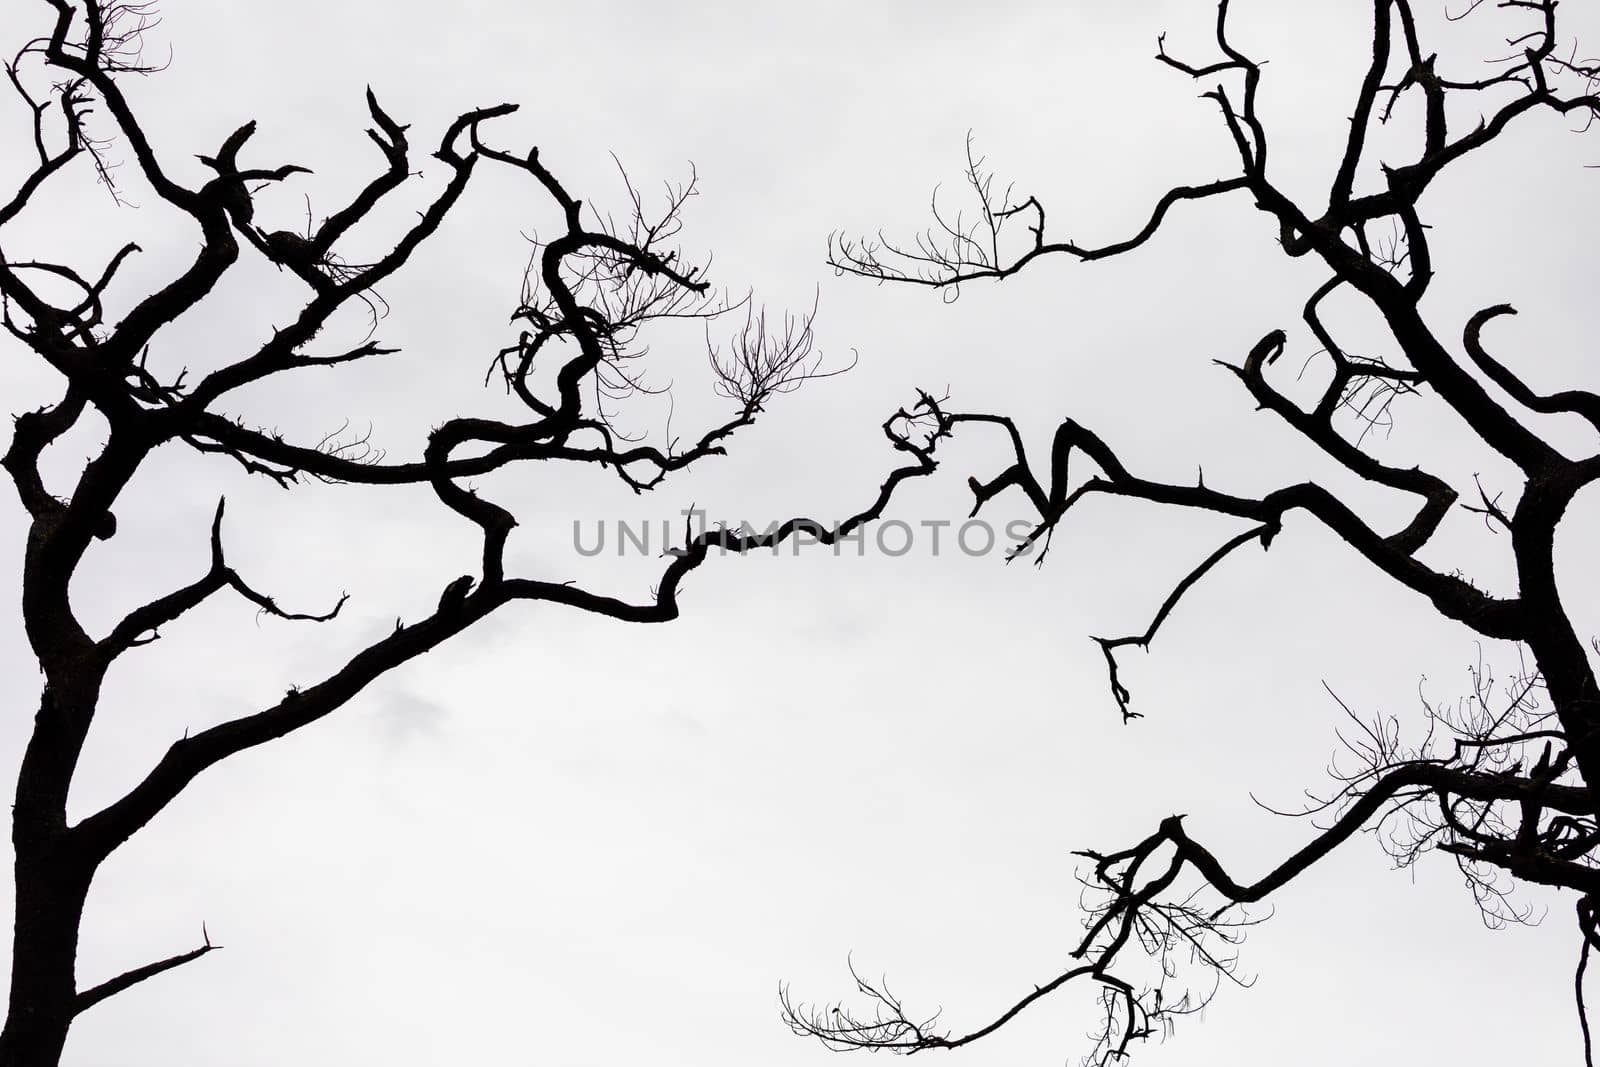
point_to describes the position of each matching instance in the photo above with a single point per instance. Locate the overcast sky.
(564, 840)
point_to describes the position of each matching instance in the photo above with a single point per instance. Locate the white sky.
(563, 840)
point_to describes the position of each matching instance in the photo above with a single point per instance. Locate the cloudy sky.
(564, 840)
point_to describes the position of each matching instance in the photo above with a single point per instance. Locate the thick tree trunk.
(50, 895)
(1575, 695)
(1562, 657)
(53, 871)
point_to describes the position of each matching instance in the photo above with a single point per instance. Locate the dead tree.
(1502, 783)
(590, 289)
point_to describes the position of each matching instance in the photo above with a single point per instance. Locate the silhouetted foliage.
(1501, 783)
(590, 290)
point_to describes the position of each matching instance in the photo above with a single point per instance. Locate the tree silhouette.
(1502, 783)
(589, 292)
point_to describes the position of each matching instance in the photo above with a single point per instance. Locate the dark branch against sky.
(895, 759)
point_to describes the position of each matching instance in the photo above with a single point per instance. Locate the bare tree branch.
(1500, 786)
(112, 986)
